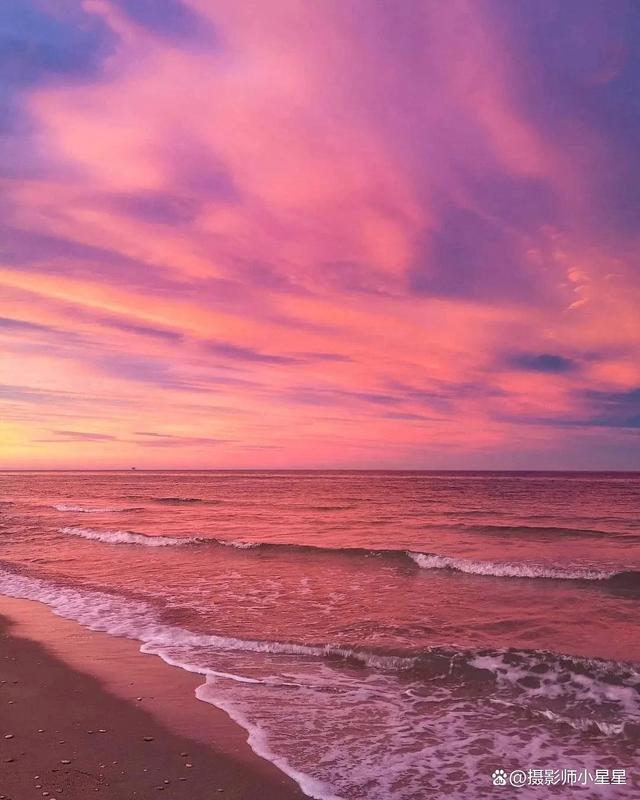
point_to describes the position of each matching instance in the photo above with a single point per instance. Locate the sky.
(337, 234)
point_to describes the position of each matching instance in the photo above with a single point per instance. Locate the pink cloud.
(318, 232)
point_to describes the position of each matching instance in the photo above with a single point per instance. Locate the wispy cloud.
(172, 440)
(78, 436)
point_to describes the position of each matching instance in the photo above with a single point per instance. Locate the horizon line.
(316, 469)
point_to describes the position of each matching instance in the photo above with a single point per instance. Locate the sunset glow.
(335, 234)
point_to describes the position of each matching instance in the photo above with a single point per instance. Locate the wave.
(232, 543)
(96, 510)
(505, 570)
(177, 501)
(143, 622)
(624, 580)
(129, 537)
(542, 530)
(330, 508)
(628, 580)
(534, 677)
(126, 537)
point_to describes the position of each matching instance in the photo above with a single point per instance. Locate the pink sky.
(336, 234)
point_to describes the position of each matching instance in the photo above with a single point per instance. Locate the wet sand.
(124, 726)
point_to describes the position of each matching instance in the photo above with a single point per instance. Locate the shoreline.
(90, 715)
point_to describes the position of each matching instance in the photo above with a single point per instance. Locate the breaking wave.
(500, 570)
(231, 543)
(625, 579)
(126, 537)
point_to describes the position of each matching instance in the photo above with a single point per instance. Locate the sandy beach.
(124, 727)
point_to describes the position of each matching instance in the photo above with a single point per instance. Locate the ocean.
(379, 635)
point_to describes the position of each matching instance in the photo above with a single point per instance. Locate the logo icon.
(499, 777)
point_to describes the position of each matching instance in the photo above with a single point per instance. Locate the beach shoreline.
(85, 714)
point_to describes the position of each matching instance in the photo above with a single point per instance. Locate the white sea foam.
(102, 611)
(394, 663)
(237, 544)
(258, 740)
(126, 537)
(429, 739)
(431, 561)
(138, 620)
(584, 724)
(580, 684)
